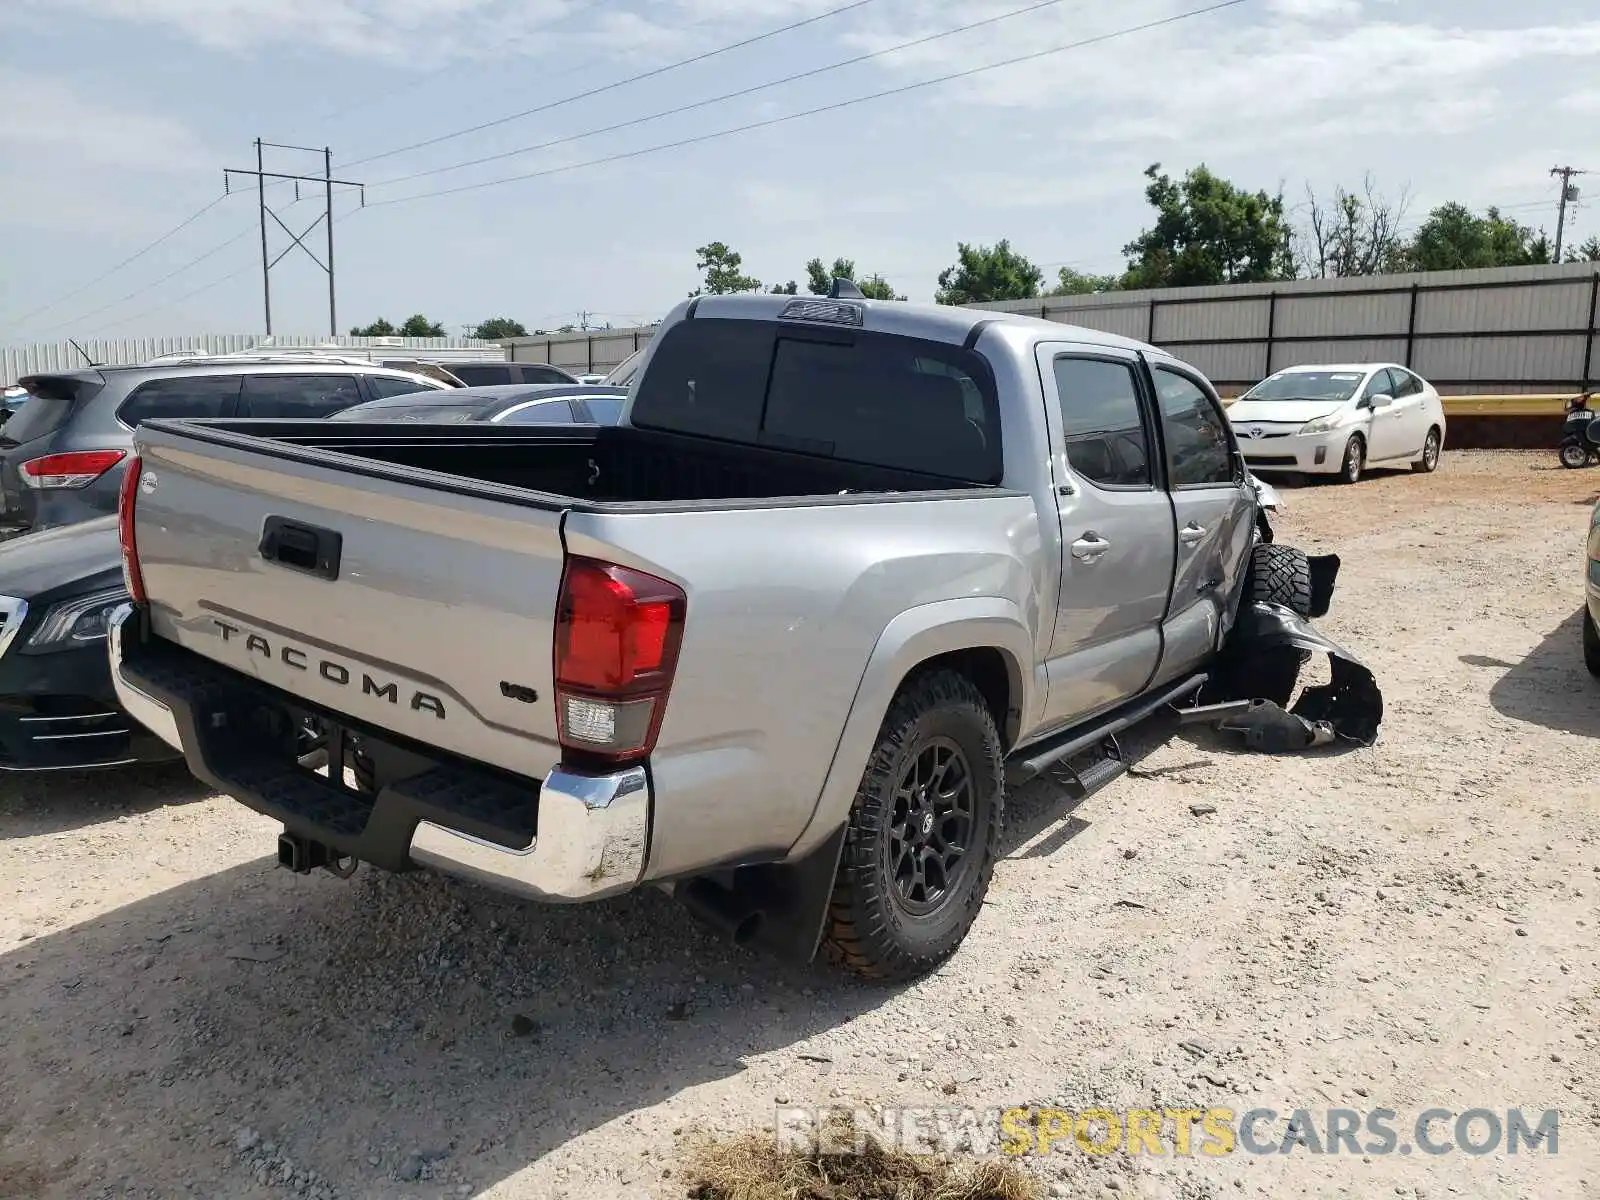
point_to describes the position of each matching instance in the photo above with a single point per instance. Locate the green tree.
(417, 325)
(1454, 238)
(819, 280)
(786, 289)
(1588, 252)
(982, 273)
(1208, 231)
(1076, 283)
(496, 328)
(379, 328)
(878, 288)
(721, 266)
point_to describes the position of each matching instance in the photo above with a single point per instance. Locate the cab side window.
(1102, 421)
(1199, 451)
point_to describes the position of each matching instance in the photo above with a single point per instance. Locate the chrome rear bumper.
(592, 830)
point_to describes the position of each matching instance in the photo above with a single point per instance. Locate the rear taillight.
(617, 637)
(75, 470)
(131, 575)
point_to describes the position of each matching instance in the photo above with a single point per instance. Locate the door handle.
(1089, 547)
(1191, 534)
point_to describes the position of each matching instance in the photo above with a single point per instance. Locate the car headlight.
(1321, 424)
(77, 621)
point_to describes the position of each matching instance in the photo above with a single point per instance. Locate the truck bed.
(592, 467)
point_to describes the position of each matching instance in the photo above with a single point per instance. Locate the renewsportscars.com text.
(1179, 1132)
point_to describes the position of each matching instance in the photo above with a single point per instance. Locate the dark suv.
(63, 453)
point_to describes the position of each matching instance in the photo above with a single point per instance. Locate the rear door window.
(307, 396)
(384, 386)
(1199, 452)
(181, 396)
(544, 412)
(604, 410)
(1103, 422)
(538, 373)
(483, 374)
(865, 397)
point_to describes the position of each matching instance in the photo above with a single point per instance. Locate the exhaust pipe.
(724, 911)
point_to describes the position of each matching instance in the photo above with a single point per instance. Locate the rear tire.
(1591, 644)
(1429, 462)
(1574, 455)
(902, 903)
(1280, 575)
(1354, 461)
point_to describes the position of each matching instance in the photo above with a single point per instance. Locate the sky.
(120, 115)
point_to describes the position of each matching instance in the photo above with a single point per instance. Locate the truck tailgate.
(431, 613)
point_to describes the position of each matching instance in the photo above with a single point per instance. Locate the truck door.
(1213, 511)
(1116, 531)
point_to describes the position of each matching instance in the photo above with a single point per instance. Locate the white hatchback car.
(1338, 420)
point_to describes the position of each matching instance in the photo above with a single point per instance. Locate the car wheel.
(1429, 462)
(1591, 644)
(1280, 575)
(1354, 461)
(922, 836)
(1573, 455)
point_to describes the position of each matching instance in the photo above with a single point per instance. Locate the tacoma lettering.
(334, 672)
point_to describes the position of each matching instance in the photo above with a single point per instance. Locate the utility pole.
(295, 239)
(1569, 195)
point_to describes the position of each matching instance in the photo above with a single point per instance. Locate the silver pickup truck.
(777, 642)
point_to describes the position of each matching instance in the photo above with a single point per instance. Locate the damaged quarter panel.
(741, 762)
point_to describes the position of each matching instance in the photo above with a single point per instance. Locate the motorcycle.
(1580, 434)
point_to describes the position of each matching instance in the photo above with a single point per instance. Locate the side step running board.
(1034, 760)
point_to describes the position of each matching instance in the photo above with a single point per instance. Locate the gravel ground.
(1409, 926)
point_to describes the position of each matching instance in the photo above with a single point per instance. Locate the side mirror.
(1381, 400)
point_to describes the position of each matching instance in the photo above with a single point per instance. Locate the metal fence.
(17, 361)
(581, 353)
(1512, 330)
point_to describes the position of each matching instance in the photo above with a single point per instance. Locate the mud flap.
(1262, 660)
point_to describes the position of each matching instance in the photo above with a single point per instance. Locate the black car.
(57, 709)
(514, 404)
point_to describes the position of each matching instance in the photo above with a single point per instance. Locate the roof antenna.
(844, 289)
(83, 352)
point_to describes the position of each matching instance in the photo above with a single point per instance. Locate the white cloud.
(46, 119)
(361, 28)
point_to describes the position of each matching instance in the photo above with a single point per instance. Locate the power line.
(110, 271)
(826, 108)
(673, 66)
(174, 273)
(205, 287)
(747, 91)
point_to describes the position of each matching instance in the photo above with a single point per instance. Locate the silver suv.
(63, 453)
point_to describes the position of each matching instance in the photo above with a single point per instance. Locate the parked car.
(518, 404)
(11, 399)
(778, 640)
(1591, 590)
(489, 374)
(622, 374)
(1339, 420)
(62, 456)
(58, 710)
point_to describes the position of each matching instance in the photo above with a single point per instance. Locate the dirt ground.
(1409, 926)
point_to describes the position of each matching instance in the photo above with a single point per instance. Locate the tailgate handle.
(301, 547)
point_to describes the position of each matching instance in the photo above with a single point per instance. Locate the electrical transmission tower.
(261, 175)
(1569, 195)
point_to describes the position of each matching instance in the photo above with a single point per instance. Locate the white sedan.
(1339, 419)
